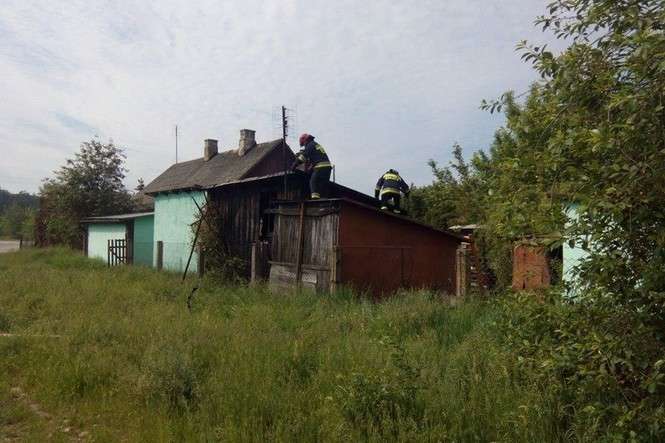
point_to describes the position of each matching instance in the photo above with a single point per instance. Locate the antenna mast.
(176, 143)
(285, 133)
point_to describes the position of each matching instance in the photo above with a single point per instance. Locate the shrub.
(603, 361)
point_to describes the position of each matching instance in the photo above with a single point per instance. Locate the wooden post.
(191, 251)
(20, 242)
(108, 253)
(253, 264)
(461, 277)
(202, 261)
(160, 255)
(335, 269)
(301, 243)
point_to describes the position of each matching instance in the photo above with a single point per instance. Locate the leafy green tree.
(592, 132)
(90, 184)
(452, 198)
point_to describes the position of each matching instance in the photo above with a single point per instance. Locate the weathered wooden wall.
(319, 229)
(241, 208)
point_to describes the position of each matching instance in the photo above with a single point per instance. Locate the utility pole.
(176, 143)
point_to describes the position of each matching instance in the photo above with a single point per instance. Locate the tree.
(90, 184)
(140, 185)
(452, 198)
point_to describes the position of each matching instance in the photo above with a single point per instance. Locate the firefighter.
(313, 155)
(389, 189)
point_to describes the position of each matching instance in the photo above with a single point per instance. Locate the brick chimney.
(247, 141)
(209, 149)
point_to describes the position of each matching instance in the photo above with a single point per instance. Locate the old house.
(261, 215)
(185, 187)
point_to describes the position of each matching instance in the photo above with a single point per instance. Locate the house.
(242, 183)
(133, 231)
(185, 187)
(261, 213)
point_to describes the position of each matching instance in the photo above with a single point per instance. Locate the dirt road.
(8, 246)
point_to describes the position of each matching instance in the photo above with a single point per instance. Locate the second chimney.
(209, 149)
(247, 141)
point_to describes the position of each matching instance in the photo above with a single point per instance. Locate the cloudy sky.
(380, 83)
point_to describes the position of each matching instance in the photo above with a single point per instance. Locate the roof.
(223, 168)
(115, 218)
(335, 188)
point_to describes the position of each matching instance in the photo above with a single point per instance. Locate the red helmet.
(304, 138)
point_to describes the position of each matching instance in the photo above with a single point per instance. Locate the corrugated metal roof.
(223, 168)
(115, 218)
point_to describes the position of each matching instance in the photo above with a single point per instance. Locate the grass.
(130, 362)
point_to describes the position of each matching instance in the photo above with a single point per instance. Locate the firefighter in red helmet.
(315, 156)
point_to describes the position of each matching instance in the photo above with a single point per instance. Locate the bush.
(604, 363)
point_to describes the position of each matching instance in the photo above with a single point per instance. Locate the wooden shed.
(321, 244)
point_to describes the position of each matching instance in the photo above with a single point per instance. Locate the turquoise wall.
(572, 256)
(144, 240)
(100, 234)
(174, 215)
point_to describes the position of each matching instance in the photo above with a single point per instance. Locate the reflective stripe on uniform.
(315, 195)
(389, 191)
(322, 165)
(392, 177)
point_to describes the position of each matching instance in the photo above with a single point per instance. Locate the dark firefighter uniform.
(313, 154)
(389, 189)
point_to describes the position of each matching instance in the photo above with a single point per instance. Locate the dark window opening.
(267, 219)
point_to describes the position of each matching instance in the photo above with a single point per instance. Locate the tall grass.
(129, 361)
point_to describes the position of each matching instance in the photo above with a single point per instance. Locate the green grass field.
(114, 354)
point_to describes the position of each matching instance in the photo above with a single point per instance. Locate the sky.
(381, 84)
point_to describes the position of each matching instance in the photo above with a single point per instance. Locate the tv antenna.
(287, 115)
(176, 143)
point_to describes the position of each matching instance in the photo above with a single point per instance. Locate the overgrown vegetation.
(131, 362)
(17, 214)
(589, 132)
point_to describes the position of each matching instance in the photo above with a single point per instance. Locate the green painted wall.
(99, 235)
(144, 240)
(572, 256)
(174, 214)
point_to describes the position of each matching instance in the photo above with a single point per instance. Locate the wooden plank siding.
(243, 207)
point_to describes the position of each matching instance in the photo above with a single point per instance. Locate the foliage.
(591, 133)
(133, 363)
(601, 111)
(447, 200)
(90, 184)
(17, 212)
(221, 264)
(604, 365)
(17, 221)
